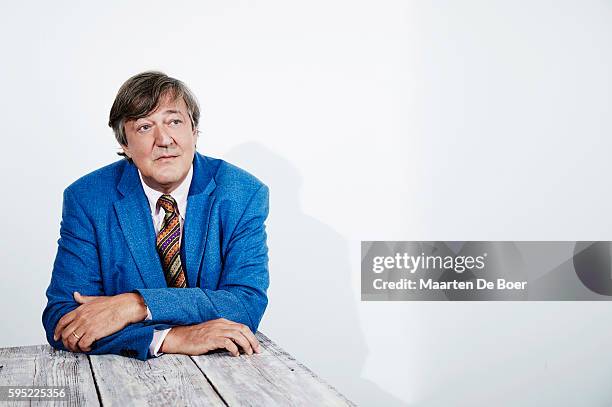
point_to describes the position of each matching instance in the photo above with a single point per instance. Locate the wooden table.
(270, 378)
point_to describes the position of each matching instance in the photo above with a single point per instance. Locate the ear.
(126, 151)
(196, 135)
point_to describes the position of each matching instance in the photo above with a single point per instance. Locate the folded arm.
(209, 317)
(76, 269)
(241, 294)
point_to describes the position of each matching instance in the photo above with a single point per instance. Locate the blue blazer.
(107, 247)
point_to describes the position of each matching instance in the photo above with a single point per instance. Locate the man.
(164, 251)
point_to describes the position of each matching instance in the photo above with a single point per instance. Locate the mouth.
(164, 158)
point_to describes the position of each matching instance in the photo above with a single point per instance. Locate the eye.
(176, 122)
(144, 127)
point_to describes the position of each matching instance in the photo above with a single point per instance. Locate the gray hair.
(141, 94)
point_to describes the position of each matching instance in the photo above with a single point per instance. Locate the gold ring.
(77, 336)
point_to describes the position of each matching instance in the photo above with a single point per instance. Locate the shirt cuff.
(149, 316)
(158, 340)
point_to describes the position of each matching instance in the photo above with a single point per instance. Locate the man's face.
(162, 144)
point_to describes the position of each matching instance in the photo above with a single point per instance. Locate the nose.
(162, 138)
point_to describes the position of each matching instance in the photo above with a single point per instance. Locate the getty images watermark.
(476, 271)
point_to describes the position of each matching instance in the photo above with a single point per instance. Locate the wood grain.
(170, 380)
(271, 378)
(42, 365)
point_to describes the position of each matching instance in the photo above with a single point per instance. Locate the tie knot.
(167, 203)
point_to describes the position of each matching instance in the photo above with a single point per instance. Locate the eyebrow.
(171, 111)
(165, 113)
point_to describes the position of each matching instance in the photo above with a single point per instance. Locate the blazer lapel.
(199, 204)
(137, 226)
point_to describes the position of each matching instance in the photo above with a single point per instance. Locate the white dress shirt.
(180, 196)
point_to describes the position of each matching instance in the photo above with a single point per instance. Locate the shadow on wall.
(312, 311)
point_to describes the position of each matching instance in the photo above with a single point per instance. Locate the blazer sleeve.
(241, 294)
(77, 268)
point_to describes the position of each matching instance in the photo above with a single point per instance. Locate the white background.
(377, 120)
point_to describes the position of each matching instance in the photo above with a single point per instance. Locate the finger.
(238, 338)
(83, 299)
(67, 335)
(73, 344)
(70, 341)
(230, 346)
(67, 346)
(246, 331)
(61, 325)
(86, 341)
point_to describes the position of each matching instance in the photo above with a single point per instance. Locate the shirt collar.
(179, 194)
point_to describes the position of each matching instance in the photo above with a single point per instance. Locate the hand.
(214, 334)
(98, 317)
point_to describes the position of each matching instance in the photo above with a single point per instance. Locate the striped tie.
(169, 243)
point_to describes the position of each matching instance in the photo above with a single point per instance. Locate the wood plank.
(42, 365)
(170, 380)
(271, 378)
